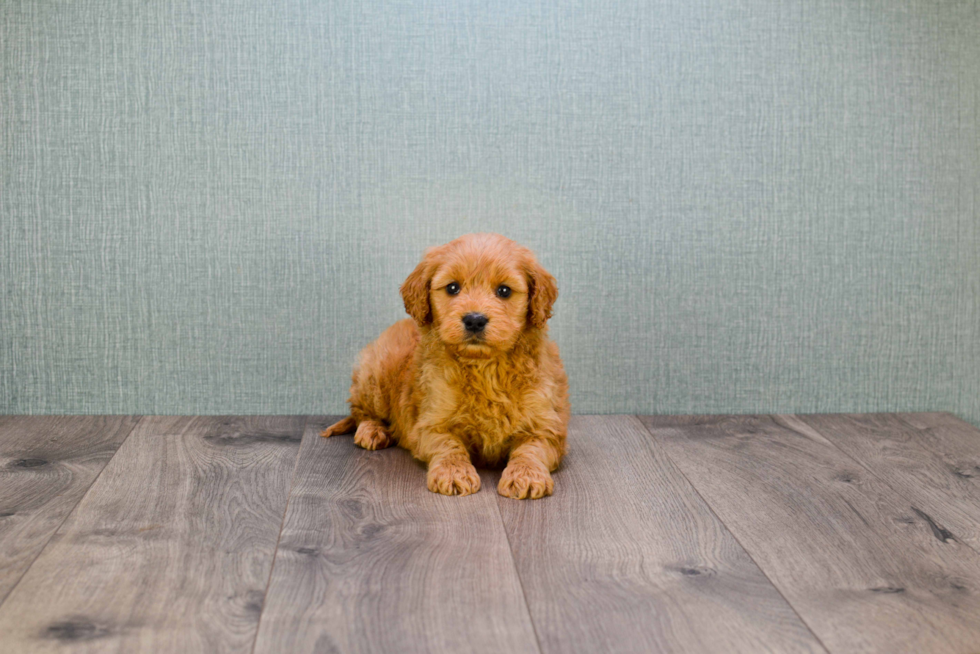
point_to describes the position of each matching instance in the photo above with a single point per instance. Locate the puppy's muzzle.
(475, 322)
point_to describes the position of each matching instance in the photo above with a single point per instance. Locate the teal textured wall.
(769, 205)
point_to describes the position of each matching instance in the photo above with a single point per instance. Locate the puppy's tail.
(345, 426)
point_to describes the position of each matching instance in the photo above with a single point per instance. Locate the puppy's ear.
(415, 292)
(542, 291)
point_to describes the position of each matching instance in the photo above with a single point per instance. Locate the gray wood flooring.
(815, 533)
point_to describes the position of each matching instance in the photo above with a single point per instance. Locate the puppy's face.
(479, 301)
(480, 292)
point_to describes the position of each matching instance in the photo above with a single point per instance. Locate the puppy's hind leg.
(370, 434)
(373, 435)
(345, 426)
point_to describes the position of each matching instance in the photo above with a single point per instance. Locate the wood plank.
(931, 459)
(171, 548)
(46, 465)
(625, 557)
(371, 561)
(865, 570)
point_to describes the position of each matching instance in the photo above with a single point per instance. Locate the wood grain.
(931, 459)
(866, 570)
(371, 561)
(171, 548)
(46, 465)
(626, 557)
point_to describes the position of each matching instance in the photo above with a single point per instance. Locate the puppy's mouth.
(474, 347)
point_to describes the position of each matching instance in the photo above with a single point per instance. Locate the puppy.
(472, 377)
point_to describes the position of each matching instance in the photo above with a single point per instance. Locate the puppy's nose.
(475, 322)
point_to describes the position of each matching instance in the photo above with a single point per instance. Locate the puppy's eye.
(453, 289)
(503, 291)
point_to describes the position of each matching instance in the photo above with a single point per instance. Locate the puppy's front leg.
(528, 471)
(450, 470)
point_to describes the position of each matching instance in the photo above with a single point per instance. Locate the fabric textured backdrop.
(768, 205)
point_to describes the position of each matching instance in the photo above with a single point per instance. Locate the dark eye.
(453, 288)
(503, 291)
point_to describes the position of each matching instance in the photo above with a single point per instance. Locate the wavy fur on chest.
(483, 401)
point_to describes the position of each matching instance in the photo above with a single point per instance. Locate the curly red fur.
(452, 397)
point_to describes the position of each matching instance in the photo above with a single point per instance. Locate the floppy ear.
(542, 291)
(415, 292)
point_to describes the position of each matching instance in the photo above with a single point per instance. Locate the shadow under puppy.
(473, 376)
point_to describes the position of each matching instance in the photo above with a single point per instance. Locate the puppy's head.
(480, 292)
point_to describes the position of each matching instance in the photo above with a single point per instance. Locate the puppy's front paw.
(522, 481)
(453, 477)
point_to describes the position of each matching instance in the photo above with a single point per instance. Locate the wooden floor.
(830, 533)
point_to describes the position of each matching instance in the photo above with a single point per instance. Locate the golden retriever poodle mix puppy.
(472, 377)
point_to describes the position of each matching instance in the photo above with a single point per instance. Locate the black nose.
(475, 322)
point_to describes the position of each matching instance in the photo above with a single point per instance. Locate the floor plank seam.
(899, 493)
(282, 523)
(728, 529)
(70, 513)
(517, 573)
(938, 627)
